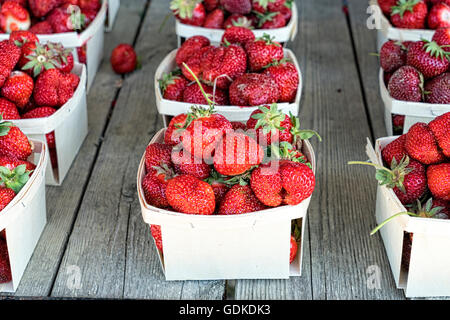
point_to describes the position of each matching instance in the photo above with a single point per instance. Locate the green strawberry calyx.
(168, 79)
(301, 133)
(403, 6)
(286, 151)
(268, 40)
(41, 58)
(5, 126)
(435, 50)
(263, 18)
(264, 3)
(269, 119)
(184, 8)
(15, 179)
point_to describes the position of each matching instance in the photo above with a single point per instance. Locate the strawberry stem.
(391, 218)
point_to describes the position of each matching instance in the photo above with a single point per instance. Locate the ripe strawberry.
(172, 136)
(23, 3)
(65, 19)
(439, 16)
(13, 17)
(263, 6)
(89, 16)
(18, 88)
(253, 89)
(15, 179)
(440, 127)
(214, 19)
(409, 14)
(293, 249)
(238, 200)
(6, 196)
(220, 186)
(239, 20)
(9, 56)
(237, 125)
(157, 154)
(271, 20)
(438, 176)
(189, 47)
(263, 51)
(190, 12)
(13, 142)
(282, 182)
(12, 163)
(43, 112)
(8, 110)
(193, 94)
(63, 56)
(36, 58)
(53, 88)
(237, 35)
(172, 85)
(185, 163)
(190, 195)
(81, 53)
(22, 36)
(398, 123)
(395, 149)
(156, 234)
(386, 6)
(421, 144)
(5, 269)
(437, 90)
(286, 11)
(442, 37)
(210, 5)
(123, 59)
(154, 185)
(94, 5)
(43, 27)
(40, 8)
(286, 76)
(392, 55)
(237, 6)
(236, 153)
(428, 57)
(406, 84)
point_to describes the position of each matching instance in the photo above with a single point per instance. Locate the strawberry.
(395, 149)
(94, 5)
(5, 269)
(172, 85)
(237, 125)
(286, 11)
(386, 6)
(421, 145)
(14, 17)
(237, 35)
(439, 16)
(238, 20)
(6, 196)
(398, 123)
(282, 182)
(89, 16)
(43, 112)
(263, 6)
(81, 53)
(63, 56)
(154, 185)
(40, 8)
(9, 56)
(210, 5)
(27, 41)
(409, 14)
(15, 179)
(253, 89)
(8, 110)
(214, 19)
(238, 200)
(262, 52)
(43, 27)
(190, 195)
(271, 20)
(237, 6)
(23, 3)
(18, 88)
(197, 61)
(123, 59)
(428, 57)
(66, 19)
(445, 208)
(157, 154)
(189, 47)
(438, 176)
(155, 230)
(236, 153)
(185, 163)
(219, 185)
(286, 77)
(406, 84)
(12, 163)
(440, 127)
(53, 88)
(193, 94)
(392, 55)
(437, 90)
(287, 151)
(293, 249)
(13, 142)
(36, 58)
(190, 12)
(442, 37)
(173, 132)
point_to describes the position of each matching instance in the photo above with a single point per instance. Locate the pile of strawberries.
(35, 79)
(210, 166)
(242, 71)
(417, 14)
(222, 14)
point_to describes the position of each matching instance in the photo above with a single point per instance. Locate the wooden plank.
(110, 244)
(63, 201)
(365, 43)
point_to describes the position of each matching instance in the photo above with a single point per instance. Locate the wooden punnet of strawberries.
(242, 71)
(222, 14)
(210, 166)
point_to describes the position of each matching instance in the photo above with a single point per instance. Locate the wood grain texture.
(110, 243)
(63, 202)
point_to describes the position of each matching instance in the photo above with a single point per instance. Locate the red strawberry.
(237, 6)
(6, 196)
(238, 20)
(13, 142)
(65, 19)
(272, 20)
(238, 125)
(220, 186)
(406, 84)
(263, 6)
(386, 6)
(190, 195)
(398, 123)
(12, 163)
(293, 249)
(43, 112)
(8, 110)
(263, 51)
(9, 56)
(190, 12)
(40, 8)
(13, 17)
(173, 134)
(442, 37)
(189, 47)
(18, 88)
(421, 144)
(197, 61)
(16, 178)
(439, 16)
(43, 27)
(392, 55)
(428, 57)
(253, 89)
(214, 19)
(440, 127)
(53, 88)
(438, 176)
(22, 36)
(36, 58)
(185, 163)
(89, 16)
(193, 94)
(409, 14)
(81, 52)
(5, 269)
(94, 5)
(23, 3)
(395, 149)
(157, 154)
(123, 59)
(154, 185)
(62, 55)
(286, 11)
(172, 86)
(236, 153)
(156, 234)
(437, 90)
(238, 35)
(210, 5)
(238, 200)
(286, 76)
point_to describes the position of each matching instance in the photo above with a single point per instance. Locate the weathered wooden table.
(95, 228)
